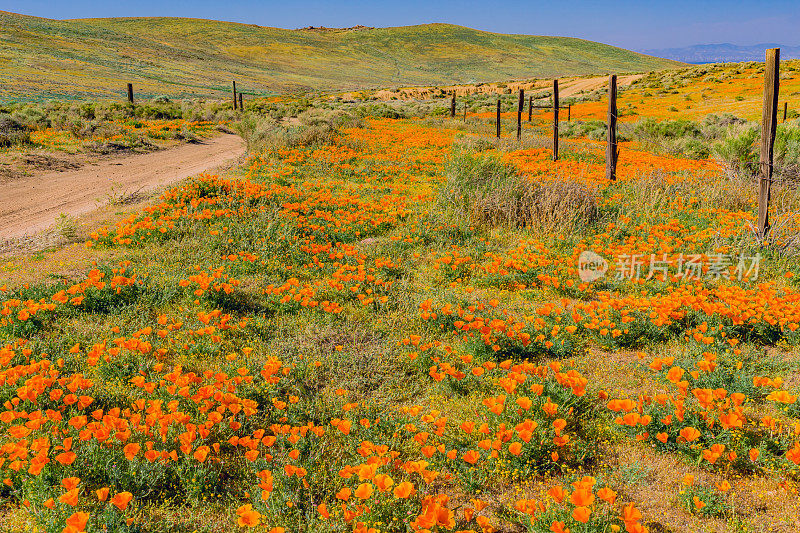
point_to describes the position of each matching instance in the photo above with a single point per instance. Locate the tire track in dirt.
(33, 203)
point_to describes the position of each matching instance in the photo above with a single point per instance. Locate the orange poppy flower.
(581, 514)
(70, 497)
(201, 453)
(698, 503)
(557, 493)
(690, 434)
(383, 482)
(404, 490)
(364, 491)
(471, 457)
(582, 497)
(131, 450)
(248, 517)
(607, 495)
(524, 402)
(70, 482)
(77, 521)
(630, 514)
(66, 458)
(121, 500)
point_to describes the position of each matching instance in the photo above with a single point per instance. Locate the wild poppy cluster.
(118, 130)
(227, 380)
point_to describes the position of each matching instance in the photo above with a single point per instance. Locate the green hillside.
(43, 58)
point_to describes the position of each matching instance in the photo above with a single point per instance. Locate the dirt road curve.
(32, 204)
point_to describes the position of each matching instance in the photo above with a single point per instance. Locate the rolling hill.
(43, 58)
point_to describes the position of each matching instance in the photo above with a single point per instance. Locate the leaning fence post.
(498, 118)
(241, 106)
(530, 108)
(520, 107)
(130, 93)
(555, 120)
(611, 147)
(768, 126)
(785, 107)
(234, 95)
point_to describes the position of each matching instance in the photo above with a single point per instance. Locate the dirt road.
(32, 204)
(573, 86)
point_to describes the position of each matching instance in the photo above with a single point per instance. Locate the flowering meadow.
(322, 340)
(122, 133)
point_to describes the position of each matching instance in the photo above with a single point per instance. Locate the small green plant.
(632, 474)
(703, 501)
(66, 227)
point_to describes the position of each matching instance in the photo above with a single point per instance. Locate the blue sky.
(634, 24)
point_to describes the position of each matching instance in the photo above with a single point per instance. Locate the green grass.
(43, 58)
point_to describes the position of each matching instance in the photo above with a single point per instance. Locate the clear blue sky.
(634, 24)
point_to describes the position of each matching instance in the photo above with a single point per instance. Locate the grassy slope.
(47, 58)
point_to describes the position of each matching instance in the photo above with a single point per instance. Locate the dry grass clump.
(492, 193)
(784, 232)
(653, 192)
(314, 128)
(554, 204)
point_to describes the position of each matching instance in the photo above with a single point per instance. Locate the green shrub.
(591, 129)
(379, 110)
(670, 129)
(738, 150)
(12, 133)
(265, 134)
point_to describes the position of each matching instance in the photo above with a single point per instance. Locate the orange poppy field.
(323, 340)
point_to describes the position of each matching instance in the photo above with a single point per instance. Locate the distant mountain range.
(723, 53)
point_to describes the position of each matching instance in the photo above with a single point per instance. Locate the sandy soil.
(31, 204)
(573, 86)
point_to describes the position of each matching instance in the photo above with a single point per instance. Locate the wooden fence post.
(768, 124)
(234, 95)
(569, 112)
(453, 105)
(530, 108)
(555, 120)
(241, 106)
(611, 147)
(785, 107)
(465, 110)
(130, 93)
(498, 118)
(520, 107)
